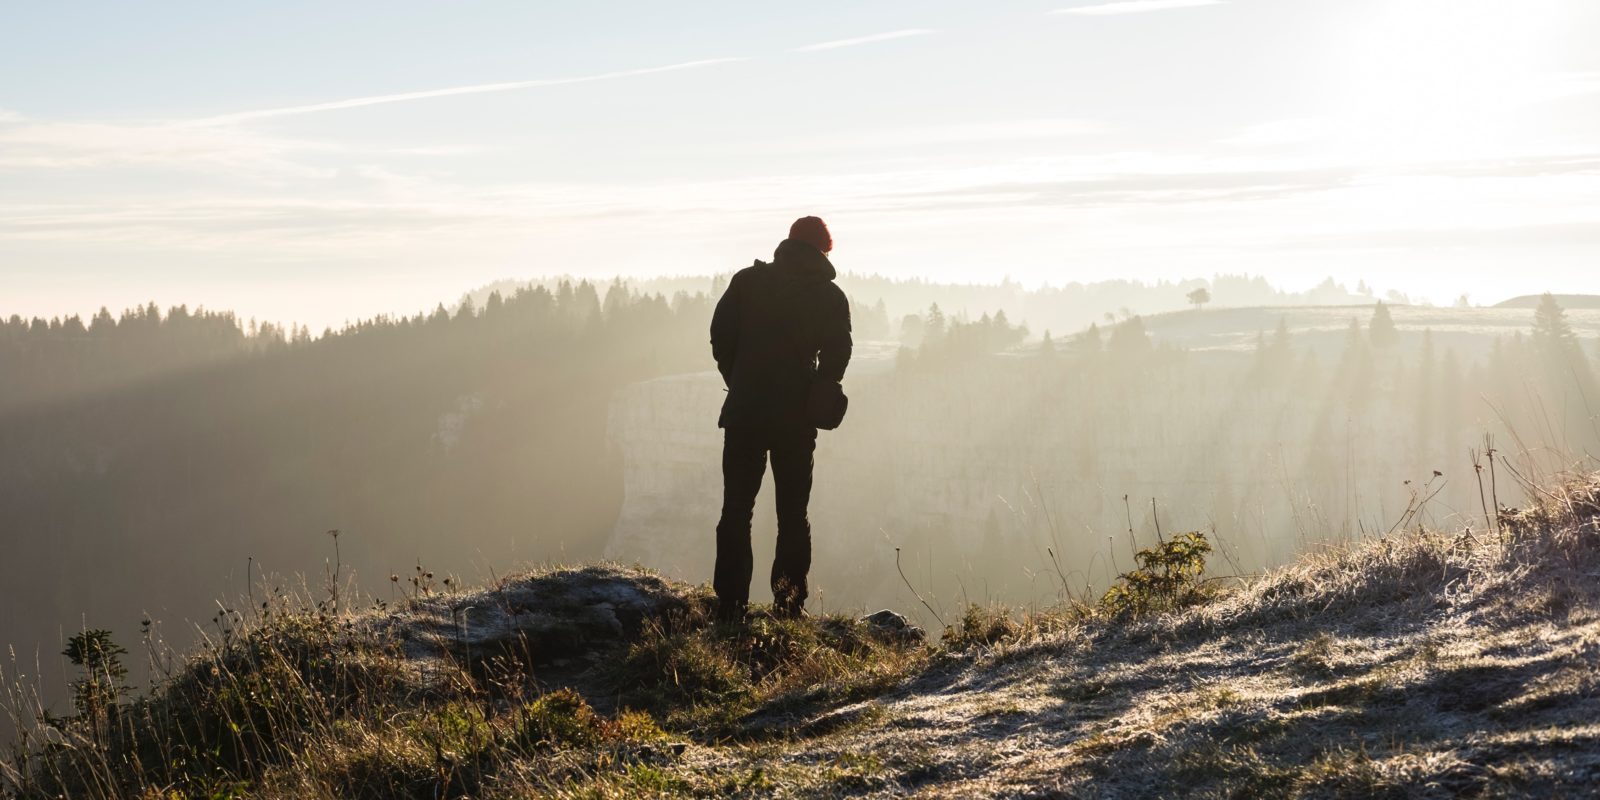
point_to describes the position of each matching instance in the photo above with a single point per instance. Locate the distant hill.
(1470, 332)
(1568, 301)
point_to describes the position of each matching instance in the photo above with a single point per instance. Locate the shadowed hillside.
(1419, 664)
(151, 462)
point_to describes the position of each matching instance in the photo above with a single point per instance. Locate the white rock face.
(666, 431)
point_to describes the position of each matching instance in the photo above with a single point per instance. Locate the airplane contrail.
(357, 102)
(873, 39)
(1136, 7)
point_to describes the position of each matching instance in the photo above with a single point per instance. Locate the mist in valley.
(1004, 444)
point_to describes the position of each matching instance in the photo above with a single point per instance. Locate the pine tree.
(933, 328)
(1047, 346)
(1450, 394)
(588, 301)
(912, 330)
(102, 324)
(1565, 372)
(1088, 341)
(1355, 367)
(1425, 418)
(1279, 356)
(1381, 329)
(1551, 333)
(1129, 338)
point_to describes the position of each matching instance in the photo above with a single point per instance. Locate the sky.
(321, 162)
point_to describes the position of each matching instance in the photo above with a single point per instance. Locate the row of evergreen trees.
(144, 459)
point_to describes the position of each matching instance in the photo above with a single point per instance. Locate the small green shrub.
(663, 670)
(637, 726)
(561, 719)
(1168, 577)
(981, 625)
(104, 678)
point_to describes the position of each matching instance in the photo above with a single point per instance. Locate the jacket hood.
(804, 259)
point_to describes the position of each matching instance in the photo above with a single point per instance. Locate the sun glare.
(1449, 78)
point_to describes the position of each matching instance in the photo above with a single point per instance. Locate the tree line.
(147, 462)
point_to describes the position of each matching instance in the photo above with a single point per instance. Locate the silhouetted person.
(778, 328)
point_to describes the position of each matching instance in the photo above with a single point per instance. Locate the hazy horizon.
(317, 165)
(1358, 293)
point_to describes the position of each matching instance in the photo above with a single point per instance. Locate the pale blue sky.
(321, 161)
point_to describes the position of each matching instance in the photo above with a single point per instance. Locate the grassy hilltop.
(1421, 664)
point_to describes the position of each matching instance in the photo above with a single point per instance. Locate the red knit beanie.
(812, 231)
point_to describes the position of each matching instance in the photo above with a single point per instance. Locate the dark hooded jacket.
(777, 328)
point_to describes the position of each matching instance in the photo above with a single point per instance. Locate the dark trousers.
(744, 462)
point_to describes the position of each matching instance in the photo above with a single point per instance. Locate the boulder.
(896, 627)
(557, 617)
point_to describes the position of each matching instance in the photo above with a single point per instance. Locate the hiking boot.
(789, 611)
(730, 613)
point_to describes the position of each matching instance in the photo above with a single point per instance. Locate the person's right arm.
(725, 328)
(834, 355)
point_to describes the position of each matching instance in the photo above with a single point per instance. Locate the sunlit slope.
(1420, 664)
(1471, 332)
(1584, 301)
(1426, 664)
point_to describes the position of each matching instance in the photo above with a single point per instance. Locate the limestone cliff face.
(666, 431)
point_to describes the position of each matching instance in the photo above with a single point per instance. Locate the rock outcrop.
(557, 621)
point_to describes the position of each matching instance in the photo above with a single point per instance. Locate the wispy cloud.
(27, 143)
(876, 37)
(1136, 7)
(482, 88)
(899, 138)
(1277, 132)
(1535, 234)
(36, 144)
(1148, 189)
(1560, 85)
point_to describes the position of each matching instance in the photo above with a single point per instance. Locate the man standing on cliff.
(778, 331)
